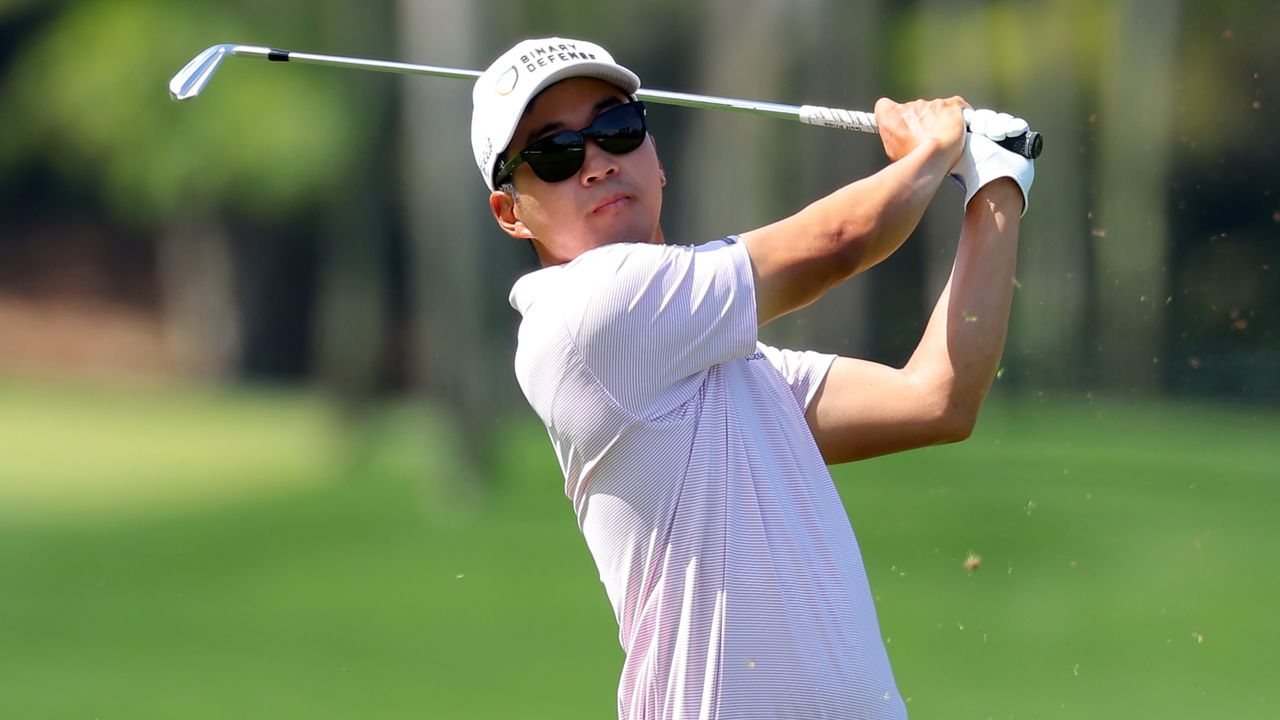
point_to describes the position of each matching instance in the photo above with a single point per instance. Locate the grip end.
(1028, 144)
(1035, 143)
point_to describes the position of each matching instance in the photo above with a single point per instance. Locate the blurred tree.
(461, 348)
(1131, 248)
(743, 172)
(86, 95)
(1223, 207)
(955, 46)
(353, 322)
(733, 154)
(1045, 75)
(937, 49)
(981, 50)
(10, 8)
(739, 172)
(834, 61)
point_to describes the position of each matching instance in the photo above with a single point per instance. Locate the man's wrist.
(1001, 194)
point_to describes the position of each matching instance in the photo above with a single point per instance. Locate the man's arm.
(863, 409)
(799, 258)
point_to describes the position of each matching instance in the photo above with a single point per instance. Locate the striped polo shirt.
(723, 546)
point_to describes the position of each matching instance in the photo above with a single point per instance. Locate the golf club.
(192, 79)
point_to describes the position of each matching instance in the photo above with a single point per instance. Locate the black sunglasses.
(559, 156)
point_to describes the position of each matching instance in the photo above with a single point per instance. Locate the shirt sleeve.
(649, 319)
(804, 371)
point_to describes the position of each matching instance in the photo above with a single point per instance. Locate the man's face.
(613, 198)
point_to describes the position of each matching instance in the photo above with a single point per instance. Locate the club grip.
(1028, 144)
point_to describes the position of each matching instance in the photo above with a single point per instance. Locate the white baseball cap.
(505, 89)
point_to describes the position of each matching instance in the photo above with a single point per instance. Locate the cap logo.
(550, 55)
(507, 81)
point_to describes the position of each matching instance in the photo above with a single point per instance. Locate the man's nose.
(597, 164)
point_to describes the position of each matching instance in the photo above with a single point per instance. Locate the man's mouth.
(611, 202)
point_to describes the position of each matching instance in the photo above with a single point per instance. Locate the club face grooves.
(192, 79)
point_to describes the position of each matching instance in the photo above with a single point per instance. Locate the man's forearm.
(965, 337)
(798, 259)
(871, 218)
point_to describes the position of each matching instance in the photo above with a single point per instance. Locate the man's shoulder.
(575, 281)
(606, 280)
(599, 266)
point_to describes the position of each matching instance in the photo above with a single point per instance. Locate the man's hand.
(906, 126)
(983, 161)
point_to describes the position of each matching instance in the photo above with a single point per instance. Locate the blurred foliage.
(87, 97)
(8, 7)
(320, 155)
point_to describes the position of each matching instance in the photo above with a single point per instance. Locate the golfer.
(695, 456)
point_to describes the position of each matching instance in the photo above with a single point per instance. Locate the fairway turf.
(1127, 564)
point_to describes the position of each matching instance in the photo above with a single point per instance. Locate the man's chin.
(628, 230)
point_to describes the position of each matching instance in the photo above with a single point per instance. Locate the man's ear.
(505, 212)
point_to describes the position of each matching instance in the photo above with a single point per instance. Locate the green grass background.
(177, 553)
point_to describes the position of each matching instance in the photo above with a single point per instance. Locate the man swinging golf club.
(694, 455)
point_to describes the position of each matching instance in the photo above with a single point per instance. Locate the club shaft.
(389, 66)
(191, 80)
(786, 112)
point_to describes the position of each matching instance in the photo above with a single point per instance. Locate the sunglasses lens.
(620, 130)
(559, 157)
(556, 158)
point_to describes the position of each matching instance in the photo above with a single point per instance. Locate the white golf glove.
(983, 160)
